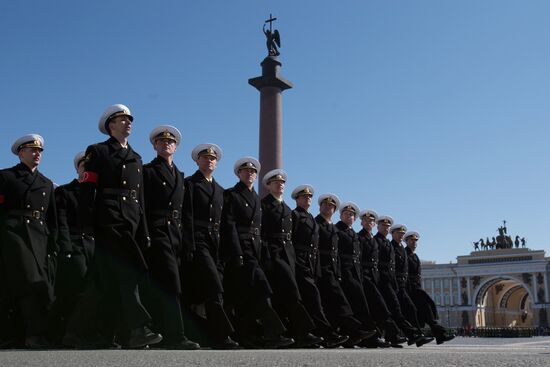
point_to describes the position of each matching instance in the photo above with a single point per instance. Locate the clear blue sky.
(434, 112)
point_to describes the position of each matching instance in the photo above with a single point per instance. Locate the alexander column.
(271, 85)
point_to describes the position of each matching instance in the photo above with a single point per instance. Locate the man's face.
(397, 236)
(121, 125)
(327, 209)
(247, 176)
(411, 243)
(207, 163)
(304, 201)
(367, 223)
(165, 147)
(348, 217)
(276, 187)
(384, 228)
(30, 156)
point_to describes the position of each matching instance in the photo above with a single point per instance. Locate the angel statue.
(273, 38)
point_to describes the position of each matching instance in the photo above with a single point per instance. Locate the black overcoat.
(349, 251)
(369, 256)
(241, 237)
(305, 238)
(28, 232)
(414, 279)
(202, 210)
(111, 204)
(277, 234)
(334, 299)
(328, 247)
(401, 265)
(386, 261)
(371, 279)
(401, 274)
(388, 282)
(164, 193)
(76, 249)
(420, 297)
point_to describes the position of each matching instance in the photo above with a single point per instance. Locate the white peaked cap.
(274, 174)
(301, 190)
(331, 198)
(369, 213)
(350, 205)
(165, 132)
(246, 162)
(411, 234)
(385, 218)
(206, 149)
(27, 141)
(112, 111)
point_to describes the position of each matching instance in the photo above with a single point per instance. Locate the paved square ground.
(460, 352)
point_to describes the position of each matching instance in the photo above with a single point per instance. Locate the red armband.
(2, 199)
(90, 177)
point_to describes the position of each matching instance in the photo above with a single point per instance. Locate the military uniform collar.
(343, 226)
(23, 167)
(242, 187)
(200, 177)
(364, 232)
(272, 199)
(380, 236)
(301, 210)
(395, 243)
(161, 160)
(116, 144)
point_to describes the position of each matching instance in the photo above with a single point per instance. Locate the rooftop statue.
(502, 241)
(273, 37)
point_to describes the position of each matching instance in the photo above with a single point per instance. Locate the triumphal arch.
(502, 283)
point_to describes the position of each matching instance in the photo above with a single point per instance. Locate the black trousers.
(111, 302)
(119, 281)
(206, 287)
(166, 312)
(69, 286)
(34, 313)
(311, 299)
(380, 312)
(26, 314)
(249, 295)
(353, 289)
(219, 325)
(262, 310)
(336, 305)
(394, 306)
(286, 298)
(426, 309)
(408, 308)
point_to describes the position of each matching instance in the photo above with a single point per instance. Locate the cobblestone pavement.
(459, 352)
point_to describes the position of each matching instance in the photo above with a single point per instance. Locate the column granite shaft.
(270, 85)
